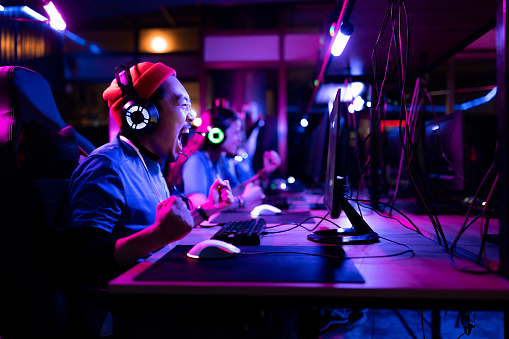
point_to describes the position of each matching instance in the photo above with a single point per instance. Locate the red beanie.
(147, 77)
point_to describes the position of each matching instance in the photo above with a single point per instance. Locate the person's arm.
(173, 222)
(247, 195)
(97, 199)
(196, 199)
(251, 141)
(271, 162)
(220, 198)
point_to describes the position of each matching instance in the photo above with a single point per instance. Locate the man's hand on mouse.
(173, 219)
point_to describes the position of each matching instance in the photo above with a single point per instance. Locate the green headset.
(220, 114)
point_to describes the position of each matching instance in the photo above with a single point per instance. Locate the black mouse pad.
(303, 264)
(286, 217)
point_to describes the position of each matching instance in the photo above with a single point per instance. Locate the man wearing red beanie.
(120, 208)
(119, 201)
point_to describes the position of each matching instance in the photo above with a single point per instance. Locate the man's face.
(175, 116)
(233, 138)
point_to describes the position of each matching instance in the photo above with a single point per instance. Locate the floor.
(403, 324)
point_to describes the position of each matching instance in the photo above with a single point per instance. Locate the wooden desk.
(426, 280)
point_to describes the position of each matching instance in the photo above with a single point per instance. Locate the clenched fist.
(173, 218)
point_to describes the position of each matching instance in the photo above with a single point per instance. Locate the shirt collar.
(142, 149)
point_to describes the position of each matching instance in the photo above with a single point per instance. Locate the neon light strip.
(33, 13)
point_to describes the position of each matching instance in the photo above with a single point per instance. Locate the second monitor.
(335, 200)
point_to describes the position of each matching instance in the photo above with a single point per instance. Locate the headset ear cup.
(139, 117)
(216, 136)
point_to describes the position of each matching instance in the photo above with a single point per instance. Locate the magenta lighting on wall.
(55, 19)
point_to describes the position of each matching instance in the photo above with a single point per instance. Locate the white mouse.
(213, 249)
(265, 209)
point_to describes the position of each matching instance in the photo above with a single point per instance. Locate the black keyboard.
(277, 201)
(246, 232)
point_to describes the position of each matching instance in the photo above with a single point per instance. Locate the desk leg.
(435, 324)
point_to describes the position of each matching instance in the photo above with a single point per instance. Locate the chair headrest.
(49, 154)
(26, 96)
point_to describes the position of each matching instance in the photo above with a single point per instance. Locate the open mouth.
(183, 131)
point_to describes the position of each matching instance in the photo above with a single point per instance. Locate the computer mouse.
(265, 209)
(213, 249)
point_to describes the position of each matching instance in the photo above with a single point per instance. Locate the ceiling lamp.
(341, 39)
(159, 44)
(55, 19)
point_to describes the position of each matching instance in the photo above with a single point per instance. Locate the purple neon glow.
(55, 19)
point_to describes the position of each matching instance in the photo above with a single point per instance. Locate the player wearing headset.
(211, 155)
(120, 208)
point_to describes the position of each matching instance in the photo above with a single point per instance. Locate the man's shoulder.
(111, 153)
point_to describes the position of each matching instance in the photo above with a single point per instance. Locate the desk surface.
(426, 277)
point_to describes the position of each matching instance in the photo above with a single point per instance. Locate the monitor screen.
(335, 199)
(337, 158)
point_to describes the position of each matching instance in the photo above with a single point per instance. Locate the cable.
(425, 199)
(324, 218)
(391, 217)
(485, 211)
(188, 201)
(378, 95)
(400, 170)
(487, 205)
(453, 246)
(479, 188)
(409, 250)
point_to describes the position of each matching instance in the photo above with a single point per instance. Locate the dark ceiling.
(438, 31)
(90, 14)
(444, 37)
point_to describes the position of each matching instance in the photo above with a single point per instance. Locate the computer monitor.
(460, 147)
(335, 200)
(317, 152)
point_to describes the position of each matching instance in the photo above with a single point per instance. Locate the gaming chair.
(38, 153)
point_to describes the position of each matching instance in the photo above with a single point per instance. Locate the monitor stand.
(359, 234)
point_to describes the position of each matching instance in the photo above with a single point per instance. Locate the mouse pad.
(287, 217)
(304, 266)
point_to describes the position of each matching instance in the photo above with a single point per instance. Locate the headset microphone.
(203, 134)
